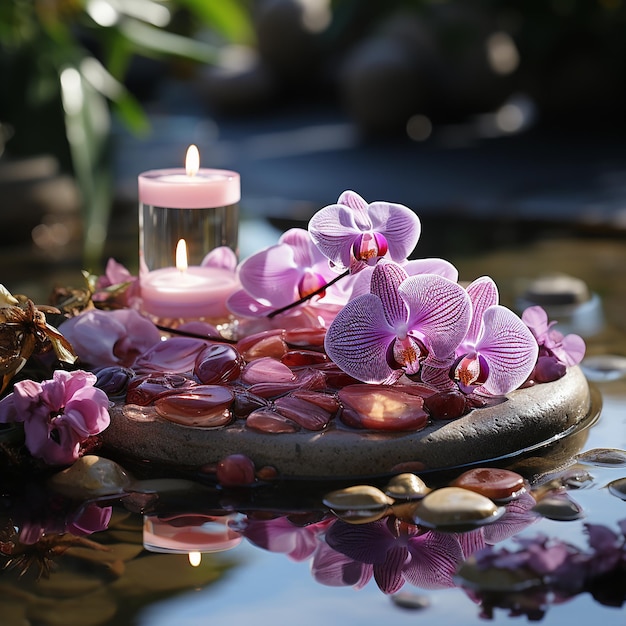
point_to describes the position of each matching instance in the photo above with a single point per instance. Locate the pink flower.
(116, 276)
(58, 414)
(102, 338)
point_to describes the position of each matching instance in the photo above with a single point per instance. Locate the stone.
(218, 363)
(406, 486)
(269, 421)
(236, 470)
(300, 358)
(493, 483)
(144, 390)
(603, 457)
(266, 370)
(265, 344)
(359, 504)
(379, 407)
(454, 507)
(618, 488)
(304, 413)
(206, 406)
(91, 477)
(559, 507)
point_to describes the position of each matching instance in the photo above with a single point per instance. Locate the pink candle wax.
(203, 189)
(197, 292)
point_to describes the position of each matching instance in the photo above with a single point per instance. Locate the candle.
(187, 292)
(199, 207)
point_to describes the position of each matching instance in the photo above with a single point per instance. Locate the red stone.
(446, 405)
(306, 337)
(325, 401)
(268, 421)
(206, 406)
(298, 358)
(266, 370)
(268, 343)
(307, 415)
(246, 402)
(218, 363)
(494, 483)
(144, 390)
(236, 470)
(380, 407)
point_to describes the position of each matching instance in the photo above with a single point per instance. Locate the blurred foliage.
(63, 64)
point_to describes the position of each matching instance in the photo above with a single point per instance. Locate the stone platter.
(526, 418)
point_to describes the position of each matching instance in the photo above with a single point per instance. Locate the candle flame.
(181, 255)
(195, 558)
(192, 160)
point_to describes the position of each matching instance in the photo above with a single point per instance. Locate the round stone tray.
(525, 419)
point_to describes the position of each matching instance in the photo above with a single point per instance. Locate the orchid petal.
(358, 339)
(434, 560)
(304, 250)
(333, 569)
(509, 348)
(518, 515)
(483, 293)
(355, 202)
(438, 309)
(388, 575)
(367, 543)
(536, 319)
(333, 230)
(386, 278)
(271, 275)
(400, 226)
(242, 304)
(221, 257)
(572, 350)
(437, 266)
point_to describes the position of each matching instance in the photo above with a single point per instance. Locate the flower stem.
(291, 305)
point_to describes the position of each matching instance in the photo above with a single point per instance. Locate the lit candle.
(200, 208)
(187, 292)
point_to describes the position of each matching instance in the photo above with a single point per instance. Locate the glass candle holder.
(199, 210)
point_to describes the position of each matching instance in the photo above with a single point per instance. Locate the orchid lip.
(369, 247)
(470, 370)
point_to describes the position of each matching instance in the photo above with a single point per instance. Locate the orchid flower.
(353, 234)
(58, 414)
(404, 321)
(568, 350)
(283, 274)
(102, 338)
(498, 352)
(117, 286)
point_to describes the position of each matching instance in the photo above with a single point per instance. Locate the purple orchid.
(102, 338)
(116, 276)
(58, 414)
(353, 234)
(405, 321)
(568, 350)
(283, 274)
(498, 352)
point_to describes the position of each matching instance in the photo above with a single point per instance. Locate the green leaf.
(229, 17)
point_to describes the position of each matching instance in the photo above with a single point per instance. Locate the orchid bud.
(113, 380)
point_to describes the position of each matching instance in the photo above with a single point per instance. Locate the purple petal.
(271, 275)
(388, 575)
(304, 251)
(358, 339)
(242, 304)
(438, 309)
(483, 293)
(437, 266)
(386, 278)
(333, 230)
(471, 541)
(176, 355)
(571, 351)
(400, 226)
(366, 543)
(280, 535)
(334, 569)
(518, 515)
(537, 320)
(354, 201)
(509, 348)
(434, 560)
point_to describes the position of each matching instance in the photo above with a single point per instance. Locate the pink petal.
(536, 319)
(271, 275)
(355, 202)
(572, 350)
(358, 339)
(242, 304)
(400, 226)
(222, 257)
(334, 569)
(509, 348)
(333, 230)
(439, 309)
(304, 250)
(388, 575)
(483, 293)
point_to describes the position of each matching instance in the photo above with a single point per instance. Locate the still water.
(278, 572)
